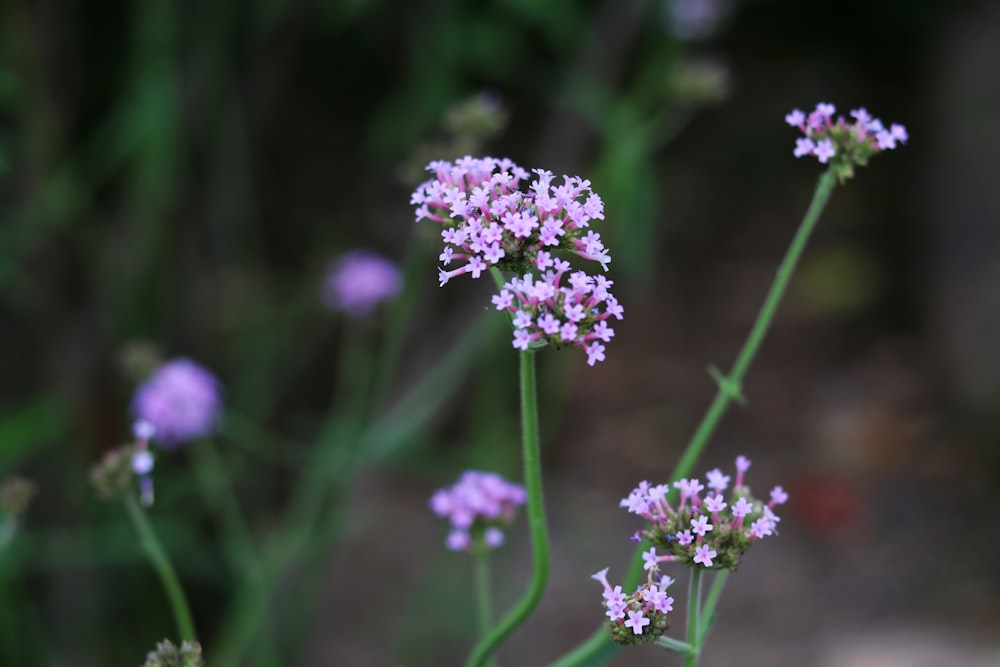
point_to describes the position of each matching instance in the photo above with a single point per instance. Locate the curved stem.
(729, 390)
(158, 557)
(694, 618)
(675, 645)
(536, 519)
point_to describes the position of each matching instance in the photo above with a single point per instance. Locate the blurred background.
(176, 177)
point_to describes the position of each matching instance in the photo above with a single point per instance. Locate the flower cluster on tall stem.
(840, 142)
(706, 528)
(495, 215)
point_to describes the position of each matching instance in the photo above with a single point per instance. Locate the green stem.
(594, 649)
(708, 611)
(484, 595)
(217, 493)
(675, 645)
(694, 618)
(536, 519)
(160, 561)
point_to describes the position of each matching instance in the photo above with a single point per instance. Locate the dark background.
(178, 174)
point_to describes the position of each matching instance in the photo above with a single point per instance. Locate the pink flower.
(704, 555)
(360, 280)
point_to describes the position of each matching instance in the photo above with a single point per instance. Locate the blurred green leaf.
(30, 428)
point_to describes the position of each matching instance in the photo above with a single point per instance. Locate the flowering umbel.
(640, 617)
(494, 214)
(181, 401)
(360, 280)
(842, 143)
(169, 655)
(479, 505)
(703, 529)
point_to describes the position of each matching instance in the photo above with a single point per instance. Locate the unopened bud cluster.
(169, 655)
(640, 617)
(478, 506)
(704, 528)
(118, 469)
(842, 143)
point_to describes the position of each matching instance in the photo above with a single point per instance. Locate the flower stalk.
(596, 649)
(161, 563)
(531, 455)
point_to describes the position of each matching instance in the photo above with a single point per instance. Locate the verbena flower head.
(843, 143)
(478, 506)
(641, 616)
(360, 280)
(169, 655)
(705, 527)
(492, 216)
(561, 309)
(495, 215)
(181, 401)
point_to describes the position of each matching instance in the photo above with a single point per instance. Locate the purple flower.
(804, 146)
(181, 400)
(360, 280)
(741, 508)
(825, 150)
(477, 506)
(636, 621)
(659, 599)
(700, 526)
(711, 532)
(717, 480)
(704, 555)
(843, 143)
(491, 219)
(796, 118)
(561, 308)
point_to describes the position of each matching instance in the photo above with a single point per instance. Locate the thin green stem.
(484, 595)
(675, 645)
(536, 519)
(708, 611)
(594, 650)
(161, 562)
(218, 495)
(694, 618)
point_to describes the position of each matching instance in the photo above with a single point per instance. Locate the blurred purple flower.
(359, 281)
(181, 400)
(478, 505)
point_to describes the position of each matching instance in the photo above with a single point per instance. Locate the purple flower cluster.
(848, 143)
(641, 616)
(478, 506)
(180, 401)
(494, 217)
(360, 280)
(703, 529)
(572, 314)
